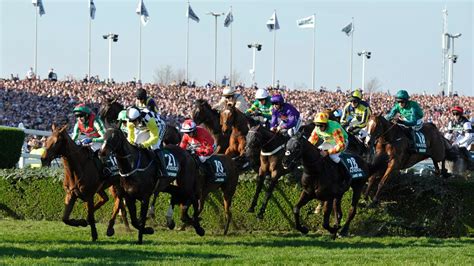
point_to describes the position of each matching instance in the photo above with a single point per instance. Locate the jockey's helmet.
(457, 109)
(188, 126)
(402, 95)
(141, 94)
(133, 114)
(277, 99)
(122, 116)
(81, 110)
(228, 91)
(261, 94)
(337, 113)
(356, 96)
(321, 118)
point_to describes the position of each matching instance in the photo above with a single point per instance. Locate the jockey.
(462, 127)
(197, 139)
(262, 105)
(334, 137)
(355, 114)
(90, 125)
(123, 120)
(144, 101)
(146, 130)
(230, 96)
(284, 116)
(410, 113)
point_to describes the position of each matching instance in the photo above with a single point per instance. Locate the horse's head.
(55, 144)
(375, 128)
(293, 151)
(201, 108)
(114, 139)
(227, 118)
(110, 110)
(253, 141)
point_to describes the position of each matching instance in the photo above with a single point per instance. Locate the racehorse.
(325, 180)
(233, 121)
(109, 112)
(205, 115)
(228, 187)
(393, 142)
(140, 178)
(83, 178)
(269, 146)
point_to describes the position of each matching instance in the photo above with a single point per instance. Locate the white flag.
(39, 4)
(229, 18)
(348, 29)
(191, 15)
(141, 11)
(272, 23)
(308, 22)
(92, 9)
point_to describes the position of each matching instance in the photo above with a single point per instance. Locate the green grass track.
(34, 242)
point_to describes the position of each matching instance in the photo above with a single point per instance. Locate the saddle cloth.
(352, 166)
(220, 175)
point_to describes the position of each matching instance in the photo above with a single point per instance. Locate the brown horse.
(324, 180)
(228, 187)
(205, 115)
(83, 178)
(139, 177)
(236, 123)
(391, 142)
(270, 147)
(109, 112)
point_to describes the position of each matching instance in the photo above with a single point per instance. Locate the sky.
(403, 36)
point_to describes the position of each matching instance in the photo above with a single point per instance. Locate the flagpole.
(89, 50)
(352, 50)
(274, 49)
(231, 78)
(215, 50)
(187, 50)
(139, 78)
(314, 51)
(36, 39)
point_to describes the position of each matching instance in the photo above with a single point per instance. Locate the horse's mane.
(205, 104)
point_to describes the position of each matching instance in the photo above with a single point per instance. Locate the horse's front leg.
(151, 210)
(327, 216)
(90, 217)
(118, 207)
(304, 199)
(260, 181)
(69, 202)
(392, 166)
(271, 187)
(356, 193)
(103, 199)
(143, 213)
(337, 211)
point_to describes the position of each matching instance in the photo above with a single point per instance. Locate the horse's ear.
(63, 128)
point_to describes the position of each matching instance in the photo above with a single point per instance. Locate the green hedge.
(11, 141)
(418, 206)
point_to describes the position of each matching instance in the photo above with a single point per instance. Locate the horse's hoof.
(110, 231)
(82, 223)
(170, 224)
(200, 231)
(251, 210)
(182, 227)
(303, 229)
(344, 232)
(148, 231)
(260, 216)
(373, 205)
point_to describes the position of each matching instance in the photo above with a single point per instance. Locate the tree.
(372, 86)
(163, 75)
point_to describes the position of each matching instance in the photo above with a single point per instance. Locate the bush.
(413, 206)
(11, 141)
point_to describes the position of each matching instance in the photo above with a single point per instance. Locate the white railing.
(26, 158)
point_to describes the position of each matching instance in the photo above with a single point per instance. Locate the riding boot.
(412, 141)
(161, 163)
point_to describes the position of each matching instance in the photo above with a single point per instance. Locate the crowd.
(39, 103)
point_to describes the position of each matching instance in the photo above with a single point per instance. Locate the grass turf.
(41, 242)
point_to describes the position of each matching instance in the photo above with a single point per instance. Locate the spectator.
(52, 76)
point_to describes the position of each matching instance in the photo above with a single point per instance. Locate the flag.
(39, 4)
(272, 23)
(141, 10)
(191, 15)
(308, 22)
(229, 18)
(348, 29)
(92, 9)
